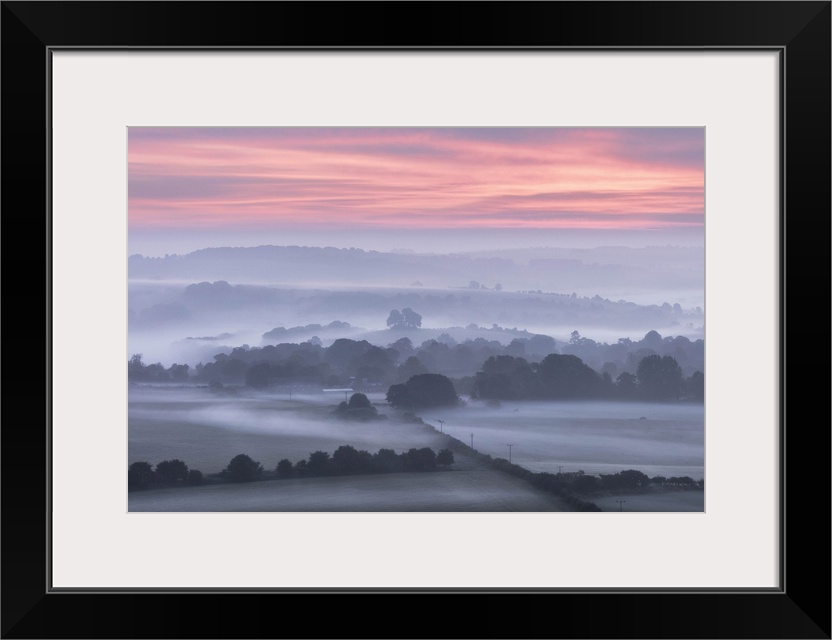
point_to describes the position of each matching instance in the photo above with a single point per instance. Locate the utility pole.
(509, 452)
(472, 440)
(621, 504)
(441, 425)
(559, 468)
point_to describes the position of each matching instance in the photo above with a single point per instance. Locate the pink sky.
(415, 178)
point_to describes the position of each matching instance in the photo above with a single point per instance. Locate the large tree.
(505, 378)
(659, 378)
(140, 475)
(423, 391)
(242, 469)
(407, 318)
(567, 377)
(172, 471)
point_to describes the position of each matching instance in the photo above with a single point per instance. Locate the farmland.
(595, 437)
(206, 429)
(468, 487)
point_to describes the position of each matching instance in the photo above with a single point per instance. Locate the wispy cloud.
(399, 178)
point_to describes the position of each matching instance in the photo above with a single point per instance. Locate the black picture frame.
(799, 31)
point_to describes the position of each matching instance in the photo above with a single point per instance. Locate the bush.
(195, 476)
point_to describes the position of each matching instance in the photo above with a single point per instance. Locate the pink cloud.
(420, 178)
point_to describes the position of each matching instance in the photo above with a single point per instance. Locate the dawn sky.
(396, 180)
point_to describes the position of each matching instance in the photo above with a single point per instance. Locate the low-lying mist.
(210, 318)
(206, 431)
(594, 437)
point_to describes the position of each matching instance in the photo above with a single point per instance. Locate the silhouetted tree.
(423, 391)
(566, 376)
(626, 386)
(257, 376)
(318, 463)
(405, 319)
(242, 469)
(285, 468)
(171, 471)
(347, 459)
(423, 459)
(395, 320)
(696, 385)
(359, 401)
(445, 457)
(659, 378)
(140, 475)
(386, 461)
(194, 476)
(398, 396)
(358, 408)
(412, 320)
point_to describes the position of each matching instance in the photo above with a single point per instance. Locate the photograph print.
(413, 319)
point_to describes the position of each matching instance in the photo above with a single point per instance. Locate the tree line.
(357, 362)
(345, 460)
(567, 377)
(574, 487)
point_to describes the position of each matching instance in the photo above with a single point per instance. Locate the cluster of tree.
(445, 355)
(567, 377)
(476, 285)
(359, 407)
(347, 460)
(625, 354)
(138, 371)
(357, 362)
(627, 480)
(423, 391)
(312, 265)
(168, 473)
(283, 333)
(407, 318)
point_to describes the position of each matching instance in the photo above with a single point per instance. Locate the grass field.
(596, 437)
(206, 431)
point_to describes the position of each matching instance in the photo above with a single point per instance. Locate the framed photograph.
(254, 218)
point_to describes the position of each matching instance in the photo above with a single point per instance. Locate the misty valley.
(266, 379)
